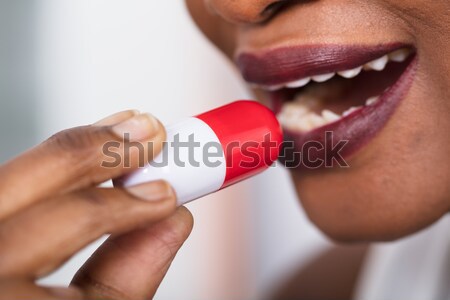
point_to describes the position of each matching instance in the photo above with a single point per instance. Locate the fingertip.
(176, 229)
(116, 118)
(138, 128)
(141, 139)
(186, 219)
(152, 191)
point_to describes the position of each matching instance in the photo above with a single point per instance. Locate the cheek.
(397, 185)
(217, 30)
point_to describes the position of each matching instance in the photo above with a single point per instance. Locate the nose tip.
(245, 11)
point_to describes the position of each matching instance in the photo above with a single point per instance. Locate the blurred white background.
(68, 63)
(78, 61)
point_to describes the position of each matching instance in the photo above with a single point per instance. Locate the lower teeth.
(300, 116)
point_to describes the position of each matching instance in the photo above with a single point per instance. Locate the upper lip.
(280, 65)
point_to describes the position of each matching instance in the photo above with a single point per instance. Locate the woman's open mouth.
(351, 91)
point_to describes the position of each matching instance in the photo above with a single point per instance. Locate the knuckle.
(98, 208)
(93, 198)
(163, 248)
(79, 140)
(95, 288)
(81, 144)
(99, 203)
(113, 210)
(169, 241)
(105, 209)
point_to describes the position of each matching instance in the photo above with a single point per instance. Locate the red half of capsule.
(250, 136)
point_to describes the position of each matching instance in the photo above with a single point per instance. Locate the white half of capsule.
(190, 181)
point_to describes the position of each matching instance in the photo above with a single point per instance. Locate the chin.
(357, 205)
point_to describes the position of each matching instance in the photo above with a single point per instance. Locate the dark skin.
(390, 191)
(62, 209)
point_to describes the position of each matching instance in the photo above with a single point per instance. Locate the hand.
(51, 207)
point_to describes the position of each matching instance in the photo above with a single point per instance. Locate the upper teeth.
(351, 73)
(299, 83)
(378, 64)
(323, 78)
(399, 55)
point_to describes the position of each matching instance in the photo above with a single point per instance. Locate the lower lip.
(358, 128)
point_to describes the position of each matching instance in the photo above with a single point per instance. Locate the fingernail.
(117, 118)
(137, 128)
(68, 293)
(152, 191)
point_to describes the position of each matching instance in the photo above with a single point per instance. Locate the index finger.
(79, 158)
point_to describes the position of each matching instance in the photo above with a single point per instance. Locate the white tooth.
(292, 116)
(323, 78)
(273, 88)
(283, 121)
(304, 124)
(293, 110)
(351, 73)
(371, 101)
(316, 120)
(399, 55)
(330, 116)
(298, 83)
(350, 110)
(377, 64)
(282, 118)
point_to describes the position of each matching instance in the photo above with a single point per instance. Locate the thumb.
(133, 265)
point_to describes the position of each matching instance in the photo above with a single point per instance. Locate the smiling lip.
(288, 64)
